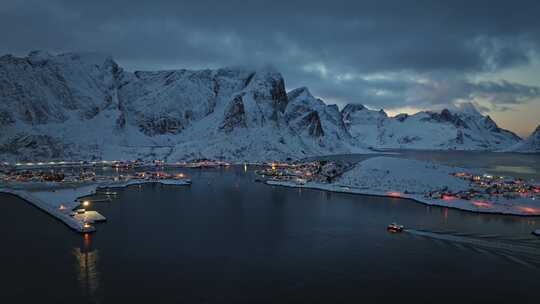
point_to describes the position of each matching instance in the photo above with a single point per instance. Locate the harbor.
(225, 223)
(58, 189)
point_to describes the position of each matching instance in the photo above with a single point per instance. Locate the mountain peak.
(39, 55)
(468, 108)
(529, 145)
(299, 92)
(95, 58)
(350, 107)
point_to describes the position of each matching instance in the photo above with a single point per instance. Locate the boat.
(394, 228)
(536, 232)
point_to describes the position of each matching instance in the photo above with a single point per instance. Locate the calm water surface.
(227, 239)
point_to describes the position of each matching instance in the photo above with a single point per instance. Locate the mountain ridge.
(85, 106)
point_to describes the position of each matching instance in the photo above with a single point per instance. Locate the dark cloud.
(382, 53)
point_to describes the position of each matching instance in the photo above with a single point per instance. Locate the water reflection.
(87, 258)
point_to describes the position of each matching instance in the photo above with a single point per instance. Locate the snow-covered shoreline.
(412, 179)
(60, 199)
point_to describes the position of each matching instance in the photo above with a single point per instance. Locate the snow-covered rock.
(311, 117)
(530, 145)
(78, 106)
(460, 129)
(84, 106)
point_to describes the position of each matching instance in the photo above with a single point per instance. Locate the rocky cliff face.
(84, 106)
(310, 116)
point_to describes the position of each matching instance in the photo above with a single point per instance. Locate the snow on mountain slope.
(83, 106)
(530, 145)
(463, 129)
(311, 117)
(363, 124)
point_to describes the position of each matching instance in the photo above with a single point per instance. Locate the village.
(485, 187)
(59, 188)
(70, 176)
(303, 172)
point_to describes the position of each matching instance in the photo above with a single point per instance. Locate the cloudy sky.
(399, 55)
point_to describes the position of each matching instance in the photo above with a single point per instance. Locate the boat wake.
(524, 251)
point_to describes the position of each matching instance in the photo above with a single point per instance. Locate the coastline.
(60, 201)
(454, 204)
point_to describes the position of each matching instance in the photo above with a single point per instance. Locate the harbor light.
(394, 193)
(482, 204)
(528, 209)
(61, 207)
(447, 197)
(86, 203)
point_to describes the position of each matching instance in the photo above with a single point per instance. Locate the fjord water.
(228, 239)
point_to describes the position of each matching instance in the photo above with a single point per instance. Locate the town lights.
(86, 203)
(529, 210)
(482, 204)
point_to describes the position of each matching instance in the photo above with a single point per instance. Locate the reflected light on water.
(87, 258)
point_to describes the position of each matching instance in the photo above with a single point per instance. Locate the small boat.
(536, 232)
(394, 228)
(80, 211)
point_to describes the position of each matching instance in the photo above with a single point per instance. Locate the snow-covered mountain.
(84, 106)
(461, 129)
(530, 145)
